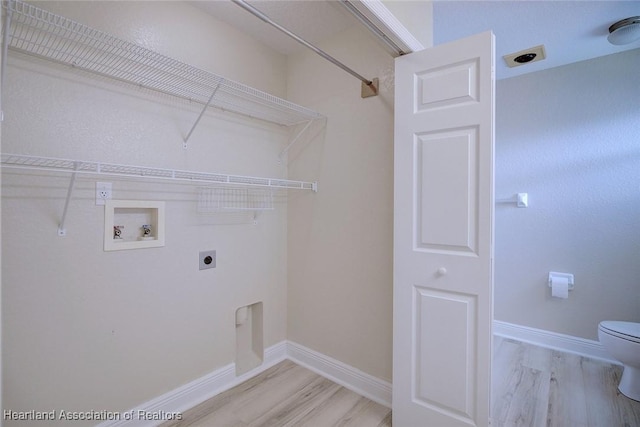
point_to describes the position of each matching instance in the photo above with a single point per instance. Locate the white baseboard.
(355, 380)
(553, 340)
(194, 393)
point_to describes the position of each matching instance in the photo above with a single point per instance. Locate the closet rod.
(371, 84)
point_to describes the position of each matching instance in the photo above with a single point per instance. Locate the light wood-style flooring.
(531, 387)
(534, 386)
(287, 395)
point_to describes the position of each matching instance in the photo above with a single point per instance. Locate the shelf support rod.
(61, 230)
(213, 94)
(370, 85)
(293, 141)
(5, 46)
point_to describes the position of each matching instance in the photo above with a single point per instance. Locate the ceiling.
(571, 31)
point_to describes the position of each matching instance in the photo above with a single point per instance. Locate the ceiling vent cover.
(526, 56)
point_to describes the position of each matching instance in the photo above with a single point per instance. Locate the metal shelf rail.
(75, 167)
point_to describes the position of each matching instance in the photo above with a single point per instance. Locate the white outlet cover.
(103, 192)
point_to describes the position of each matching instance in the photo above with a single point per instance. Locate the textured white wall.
(569, 137)
(85, 329)
(340, 239)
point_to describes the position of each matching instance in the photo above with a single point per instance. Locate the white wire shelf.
(18, 161)
(40, 33)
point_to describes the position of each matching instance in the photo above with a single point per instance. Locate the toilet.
(621, 340)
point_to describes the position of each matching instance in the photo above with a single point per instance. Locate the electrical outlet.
(103, 192)
(207, 260)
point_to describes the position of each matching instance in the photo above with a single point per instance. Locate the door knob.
(442, 271)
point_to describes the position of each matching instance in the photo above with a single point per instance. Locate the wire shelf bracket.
(62, 231)
(293, 141)
(206, 106)
(78, 167)
(6, 26)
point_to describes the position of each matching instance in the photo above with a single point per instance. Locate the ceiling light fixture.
(625, 31)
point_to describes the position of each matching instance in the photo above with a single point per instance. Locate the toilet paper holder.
(556, 275)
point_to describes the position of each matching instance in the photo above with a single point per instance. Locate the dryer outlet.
(207, 260)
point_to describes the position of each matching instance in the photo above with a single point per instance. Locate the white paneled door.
(443, 234)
